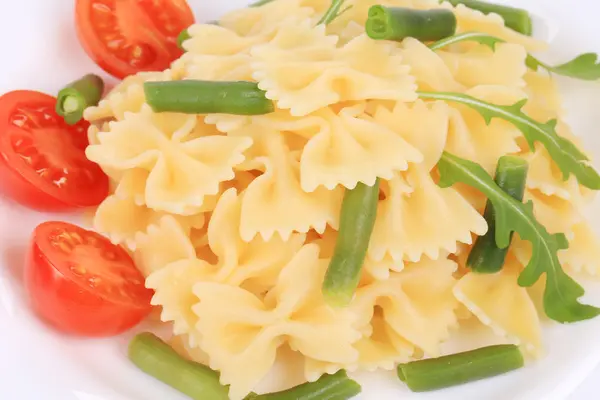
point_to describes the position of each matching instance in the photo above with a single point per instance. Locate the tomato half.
(82, 284)
(42, 159)
(128, 36)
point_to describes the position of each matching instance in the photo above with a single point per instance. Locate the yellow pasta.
(234, 219)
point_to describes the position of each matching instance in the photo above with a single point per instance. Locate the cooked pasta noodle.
(233, 219)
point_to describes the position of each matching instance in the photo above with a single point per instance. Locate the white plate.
(41, 52)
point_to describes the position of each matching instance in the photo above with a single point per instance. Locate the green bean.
(73, 99)
(456, 369)
(516, 19)
(328, 387)
(397, 23)
(206, 97)
(486, 257)
(357, 220)
(156, 358)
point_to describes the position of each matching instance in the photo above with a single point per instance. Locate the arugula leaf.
(334, 11)
(260, 3)
(562, 292)
(568, 158)
(481, 38)
(585, 66)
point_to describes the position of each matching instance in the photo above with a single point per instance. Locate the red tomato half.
(82, 284)
(128, 36)
(42, 159)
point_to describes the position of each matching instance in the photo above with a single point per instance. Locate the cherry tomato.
(42, 159)
(82, 284)
(128, 36)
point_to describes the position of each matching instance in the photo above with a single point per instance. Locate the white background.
(40, 52)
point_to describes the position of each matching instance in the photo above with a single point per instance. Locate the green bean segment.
(516, 19)
(457, 369)
(207, 97)
(486, 257)
(156, 358)
(329, 387)
(72, 100)
(357, 220)
(397, 23)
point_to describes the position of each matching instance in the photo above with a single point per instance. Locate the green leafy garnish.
(562, 292)
(260, 3)
(481, 38)
(585, 66)
(568, 158)
(334, 11)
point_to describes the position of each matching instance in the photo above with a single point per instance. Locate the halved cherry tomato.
(82, 284)
(42, 159)
(128, 36)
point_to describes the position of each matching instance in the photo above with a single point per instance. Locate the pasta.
(234, 219)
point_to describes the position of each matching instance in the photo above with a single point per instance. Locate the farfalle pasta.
(237, 219)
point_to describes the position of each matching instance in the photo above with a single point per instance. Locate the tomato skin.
(29, 116)
(70, 306)
(143, 33)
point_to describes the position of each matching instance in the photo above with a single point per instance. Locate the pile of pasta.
(233, 219)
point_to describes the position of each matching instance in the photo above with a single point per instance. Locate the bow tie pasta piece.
(257, 21)
(429, 70)
(583, 254)
(242, 336)
(173, 286)
(545, 177)
(303, 70)
(500, 303)
(121, 219)
(351, 148)
(504, 66)
(184, 165)
(471, 137)
(214, 67)
(424, 126)
(556, 214)
(127, 96)
(418, 218)
(254, 266)
(469, 20)
(416, 304)
(275, 202)
(163, 243)
(544, 100)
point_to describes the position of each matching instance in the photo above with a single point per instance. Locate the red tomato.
(42, 159)
(128, 36)
(82, 284)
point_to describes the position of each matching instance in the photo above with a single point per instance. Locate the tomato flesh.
(128, 36)
(82, 284)
(42, 159)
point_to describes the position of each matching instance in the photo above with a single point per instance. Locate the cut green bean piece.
(486, 257)
(330, 387)
(397, 23)
(207, 97)
(516, 19)
(457, 369)
(156, 358)
(72, 100)
(357, 220)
